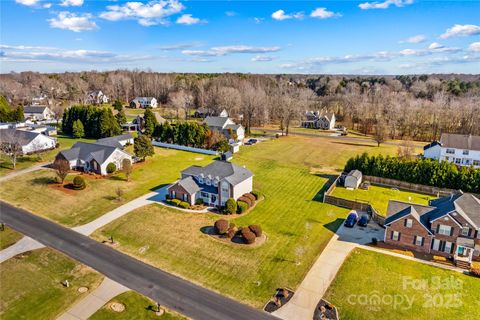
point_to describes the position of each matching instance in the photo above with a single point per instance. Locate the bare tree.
(10, 145)
(62, 168)
(380, 133)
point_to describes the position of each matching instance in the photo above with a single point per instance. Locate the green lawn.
(31, 285)
(390, 278)
(378, 196)
(287, 172)
(35, 191)
(136, 307)
(24, 162)
(8, 237)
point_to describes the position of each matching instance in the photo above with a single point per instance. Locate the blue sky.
(339, 37)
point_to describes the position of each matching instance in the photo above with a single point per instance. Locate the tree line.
(420, 171)
(93, 122)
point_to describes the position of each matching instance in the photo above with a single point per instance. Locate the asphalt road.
(173, 292)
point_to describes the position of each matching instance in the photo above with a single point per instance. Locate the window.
(451, 151)
(465, 152)
(465, 231)
(448, 247)
(185, 197)
(418, 241)
(204, 195)
(476, 162)
(458, 160)
(215, 183)
(408, 223)
(200, 180)
(436, 245)
(443, 229)
(395, 235)
(208, 182)
(173, 194)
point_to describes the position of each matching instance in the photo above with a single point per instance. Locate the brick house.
(214, 183)
(447, 227)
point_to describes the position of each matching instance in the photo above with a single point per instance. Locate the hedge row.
(178, 203)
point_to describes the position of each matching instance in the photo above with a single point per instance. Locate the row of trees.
(93, 122)
(421, 171)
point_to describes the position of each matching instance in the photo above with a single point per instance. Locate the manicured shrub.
(232, 230)
(176, 202)
(199, 201)
(79, 183)
(256, 194)
(221, 226)
(230, 206)
(246, 200)
(241, 207)
(248, 235)
(250, 196)
(111, 167)
(184, 205)
(170, 202)
(256, 229)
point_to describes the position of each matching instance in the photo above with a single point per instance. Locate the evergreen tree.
(117, 105)
(143, 147)
(78, 130)
(149, 122)
(121, 117)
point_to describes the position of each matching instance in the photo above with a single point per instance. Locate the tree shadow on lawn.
(117, 178)
(331, 179)
(356, 144)
(334, 225)
(160, 186)
(44, 180)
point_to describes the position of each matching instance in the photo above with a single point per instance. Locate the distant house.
(232, 131)
(143, 102)
(40, 100)
(30, 142)
(353, 179)
(318, 120)
(38, 113)
(96, 97)
(214, 183)
(463, 150)
(140, 121)
(448, 227)
(95, 157)
(117, 141)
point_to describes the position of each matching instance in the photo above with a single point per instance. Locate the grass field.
(389, 278)
(136, 307)
(31, 285)
(35, 191)
(378, 196)
(8, 237)
(31, 160)
(287, 172)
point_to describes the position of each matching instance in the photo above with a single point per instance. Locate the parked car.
(364, 219)
(351, 219)
(251, 142)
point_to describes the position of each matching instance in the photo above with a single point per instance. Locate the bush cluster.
(79, 183)
(232, 231)
(248, 235)
(247, 200)
(178, 203)
(111, 167)
(199, 201)
(98, 122)
(256, 194)
(256, 229)
(221, 226)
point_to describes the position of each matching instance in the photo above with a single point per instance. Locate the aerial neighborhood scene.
(297, 160)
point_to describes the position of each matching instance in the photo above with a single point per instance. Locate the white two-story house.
(143, 102)
(463, 150)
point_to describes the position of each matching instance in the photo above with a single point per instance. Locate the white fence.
(184, 148)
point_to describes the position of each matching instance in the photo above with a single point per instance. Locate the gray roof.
(34, 109)
(233, 173)
(83, 150)
(189, 185)
(216, 121)
(20, 136)
(355, 173)
(460, 141)
(115, 141)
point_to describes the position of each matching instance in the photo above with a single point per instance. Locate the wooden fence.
(442, 192)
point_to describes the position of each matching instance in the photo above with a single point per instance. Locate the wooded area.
(417, 107)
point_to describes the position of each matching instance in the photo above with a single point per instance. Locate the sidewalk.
(95, 300)
(23, 171)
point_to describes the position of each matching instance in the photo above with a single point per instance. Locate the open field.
(36, 191)
(65, 142)
(390, 279)
(290, 173)
(136, 307)
(8, 237)
(378, 196)
(31, 285)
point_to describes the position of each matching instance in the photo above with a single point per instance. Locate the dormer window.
(200, 180)
(208, 182)
(215, 183)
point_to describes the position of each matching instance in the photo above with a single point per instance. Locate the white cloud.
(460, 30)
(188, 19)
(258, 20)
(147, 14)
(28, 2)
(47, 5)
(384, 5)
(73, 3)
(435, 45)
(415, 39)
(225, 50)
(260, 57)
(70, 21)
(230, 13)
(475, 47)
(323, 13)
(281, 15)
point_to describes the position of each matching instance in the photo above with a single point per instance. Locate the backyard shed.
(353, 179)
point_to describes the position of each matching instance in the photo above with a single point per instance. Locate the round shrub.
(221, 226)
(231, 206)
(176, 202)
(79, 183)
(111, 167)
(232, 230)
(250, 196)
(242, 207)
(256, 194)
(199, 201)
(246, 200)
(256, 229)
(248, 235)
(184, 205)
